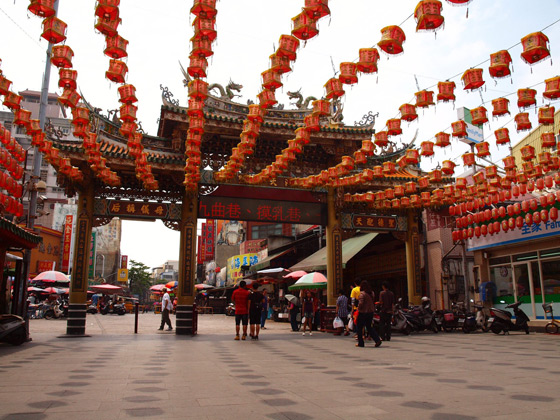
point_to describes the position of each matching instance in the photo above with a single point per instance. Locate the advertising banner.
(234, 265)
(122, 275)
(67, 243)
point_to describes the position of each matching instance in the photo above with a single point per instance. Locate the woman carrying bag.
(366, 307)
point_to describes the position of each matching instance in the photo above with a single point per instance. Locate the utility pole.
(36, 172)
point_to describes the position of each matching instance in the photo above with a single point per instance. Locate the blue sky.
(248, 31)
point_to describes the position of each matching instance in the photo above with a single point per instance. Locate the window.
(44, 175)
(264, 231)
(503, 279)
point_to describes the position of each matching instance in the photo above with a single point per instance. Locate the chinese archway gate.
(277, 200)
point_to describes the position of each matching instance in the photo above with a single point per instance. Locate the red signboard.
(67, 240)
(199, 247)
(45, 266)
(202, 248)
(124, 261)
(367, 222)
(208, 235)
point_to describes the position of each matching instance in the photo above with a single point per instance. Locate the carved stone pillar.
(76, 324)
(413, 269)
(186, 318)
(334, 250)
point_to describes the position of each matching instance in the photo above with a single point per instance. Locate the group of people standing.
(251, 309)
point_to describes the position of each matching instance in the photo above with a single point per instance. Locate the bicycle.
(553, 326)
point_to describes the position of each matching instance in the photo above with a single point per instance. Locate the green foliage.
(139, 278)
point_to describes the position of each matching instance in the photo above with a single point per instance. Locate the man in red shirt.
(240, 298)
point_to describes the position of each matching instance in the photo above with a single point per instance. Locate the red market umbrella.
(202, 286)
(52, 277)
(106, 288)
(55, 290)
(157, 287)
(314, 277)
(295, 275)
(35, 289)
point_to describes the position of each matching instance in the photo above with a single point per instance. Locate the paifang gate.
(339, 172)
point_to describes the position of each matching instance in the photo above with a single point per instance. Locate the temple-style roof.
(15, 236)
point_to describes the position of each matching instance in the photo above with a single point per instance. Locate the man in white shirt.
(166, 307)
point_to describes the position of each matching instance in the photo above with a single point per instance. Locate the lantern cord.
(513, 93)
(21, 29)
(402, 23)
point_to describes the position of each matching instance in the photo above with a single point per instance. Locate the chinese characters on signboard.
(124, 261)
(83, 234)
(367, 222)
(67, 242)
(138, 209)
(91, 266)
(235, 265)
(208, 239)
(45, 266)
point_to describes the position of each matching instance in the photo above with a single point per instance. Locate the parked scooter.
(12, 329)
(473, 322)
(58, 309)
(230, 309)
(502, 320)
(422, 317)
(92, 309)
(400, 322)
(113, 308)
(454, 318)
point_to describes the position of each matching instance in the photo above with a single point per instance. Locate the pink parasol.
(314, 277)
(106, 288)
(157, 287)
(295, 275)
(52, 277)
(202, 286)
(54, 290)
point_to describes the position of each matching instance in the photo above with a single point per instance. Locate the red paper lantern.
(117, 71)
(436, 177)
(12, 101)
(527, 153)
(381, 139)
(321, 107)
(394, 127)
(42, 8)
(408, 112)
(411, 156)
(198, 89)
(62, 56)
(522, 121)
(424, 181)
(526, 98)
(535, 47)
(128, 112)
(446, 91)
(108, 26)
(389, 168)
(197, 66)
(468, 159)
(287, 47)
(442, 139)
(107, 8)
(499, 64)
(478, 115)
(548, 140)
(553, 213)
(552, 90)
(280, 64)
(317, 8)
(482, 149)
(34, 128)
(204, 28)
(304, 26)
(271, 80)
(267, 98)
(67, 78)
(204, 8)
(448, 167)
(546, 115)
(500, 107)
(348, 73)
(128, 128)
(70, 97)
(427, 148)
(4, 85)
(312, 122)
(459, 129)
(80, 115)
(472, 79)
(392, 38)
(54, 30)
(256, 113)
(368, 60)
(424, 98)
(428, 15)
(115, 46)
(201, 47)
(502, 136)
(509, 162)
(334, 88)
(22, 117)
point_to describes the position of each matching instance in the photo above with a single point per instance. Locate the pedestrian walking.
(255, 311)
(264, 314)
(308, 311)
(387, 309)
(294, 311)
(240, 298)
(342, 312)
(366, 307)
(166, 307)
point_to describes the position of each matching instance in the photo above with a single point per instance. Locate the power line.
(21, 29)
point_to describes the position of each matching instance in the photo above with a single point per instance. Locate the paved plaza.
(116, 374)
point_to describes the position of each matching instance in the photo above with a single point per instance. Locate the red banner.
(202, 247)
(45, 266)
(66, 243)
(124, 261)
(199, 253)
(209, 236)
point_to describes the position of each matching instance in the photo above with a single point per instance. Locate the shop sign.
(136, 209)
(122, 275)
(67, 242)
(526, 233)
(45, 266)
(235, 265)
(124, 261)
(370, 222)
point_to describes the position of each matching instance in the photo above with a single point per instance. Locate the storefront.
(520, 265)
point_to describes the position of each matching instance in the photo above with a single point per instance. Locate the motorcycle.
(230, 309)
(454, 318)
(113, 308)
(57, 310)
(502, 320)
(400, 322)
(422, 317)
(92, 309)
(12, 329)
(473, 322)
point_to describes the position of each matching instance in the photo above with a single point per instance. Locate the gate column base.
(76, 323)
(186, 320)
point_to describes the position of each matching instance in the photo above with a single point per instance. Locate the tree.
(139, 279)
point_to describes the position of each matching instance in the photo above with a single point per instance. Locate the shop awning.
(350, 247)
(266, 262)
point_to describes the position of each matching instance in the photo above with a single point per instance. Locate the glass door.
(525, 276)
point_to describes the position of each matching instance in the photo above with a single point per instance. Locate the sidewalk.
(115, 374)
